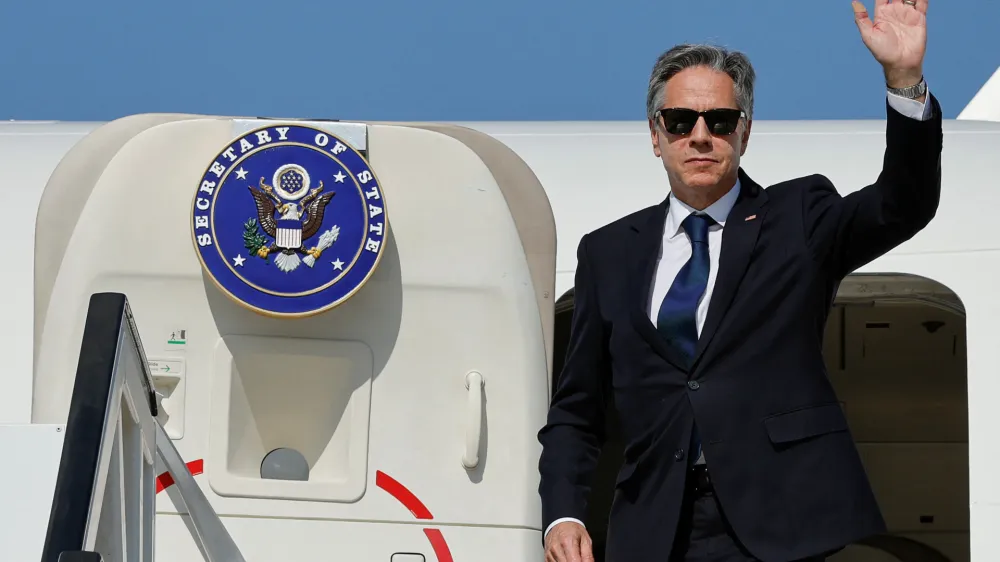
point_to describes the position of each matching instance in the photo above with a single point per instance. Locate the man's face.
(700, 162)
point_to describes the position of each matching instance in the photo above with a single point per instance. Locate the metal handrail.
(109, 434)
(104, 503)
(217, 544)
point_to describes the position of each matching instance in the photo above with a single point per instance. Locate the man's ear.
(654, 136)
(746, 138)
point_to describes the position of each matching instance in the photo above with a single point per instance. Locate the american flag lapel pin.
(750, 218)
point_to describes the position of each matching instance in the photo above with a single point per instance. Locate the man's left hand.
(897, 38)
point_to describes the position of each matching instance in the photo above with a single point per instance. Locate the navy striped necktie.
(677, 317)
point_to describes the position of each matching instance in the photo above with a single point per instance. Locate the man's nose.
(700, 133)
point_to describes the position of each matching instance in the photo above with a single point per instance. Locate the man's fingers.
(568, 542)
(554, 553)
(587, 550)
(570, 545)
(566, 548)
(879, 3)
(861, 18)
(860, 12)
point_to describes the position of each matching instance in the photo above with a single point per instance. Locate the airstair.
(103, 506)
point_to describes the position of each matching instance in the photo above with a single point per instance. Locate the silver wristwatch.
(910, 92)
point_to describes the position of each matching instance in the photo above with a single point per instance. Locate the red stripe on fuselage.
(165, 480)
(405, 497)
(382, 480)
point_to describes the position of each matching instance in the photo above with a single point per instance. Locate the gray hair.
(733, 63)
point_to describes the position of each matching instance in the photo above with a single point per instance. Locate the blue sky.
(451, 59)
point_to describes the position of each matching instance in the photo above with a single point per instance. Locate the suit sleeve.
(845, 233)
(574, 432)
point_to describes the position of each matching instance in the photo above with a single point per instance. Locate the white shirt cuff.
(913, 109)
(563, 520)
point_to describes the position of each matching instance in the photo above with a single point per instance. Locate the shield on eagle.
(288, 235)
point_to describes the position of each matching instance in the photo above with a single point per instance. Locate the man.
(700, 320)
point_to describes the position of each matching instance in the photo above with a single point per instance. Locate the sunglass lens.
(679, 121)
(722, 121)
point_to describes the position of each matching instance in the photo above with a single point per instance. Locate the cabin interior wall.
(899, 371)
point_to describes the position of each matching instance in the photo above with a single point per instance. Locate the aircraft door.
(318, 301)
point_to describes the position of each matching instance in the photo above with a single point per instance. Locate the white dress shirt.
(675, 249)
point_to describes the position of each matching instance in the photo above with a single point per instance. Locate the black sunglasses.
(681, 121)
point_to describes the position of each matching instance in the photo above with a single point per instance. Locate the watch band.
(910, 92)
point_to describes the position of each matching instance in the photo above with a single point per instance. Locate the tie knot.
(696, 227)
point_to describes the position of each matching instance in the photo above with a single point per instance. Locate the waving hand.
(896, 37)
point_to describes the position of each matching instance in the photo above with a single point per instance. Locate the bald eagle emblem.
(289, 214)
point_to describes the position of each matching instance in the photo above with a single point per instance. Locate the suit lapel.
(643, 252)
(739, 237)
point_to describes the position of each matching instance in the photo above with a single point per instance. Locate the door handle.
(474, 419)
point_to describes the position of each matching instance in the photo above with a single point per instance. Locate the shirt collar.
(678, 210)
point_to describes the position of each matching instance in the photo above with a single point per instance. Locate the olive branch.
(252, 238)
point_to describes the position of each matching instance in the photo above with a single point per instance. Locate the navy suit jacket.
(782, 459)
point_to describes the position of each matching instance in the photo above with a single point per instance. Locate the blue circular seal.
(289, 221)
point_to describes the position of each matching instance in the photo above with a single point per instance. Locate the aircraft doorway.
(895, 351)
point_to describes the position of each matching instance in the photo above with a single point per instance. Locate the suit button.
(693, 385)
(679, 454)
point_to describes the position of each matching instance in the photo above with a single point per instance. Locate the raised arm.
(845, 233)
